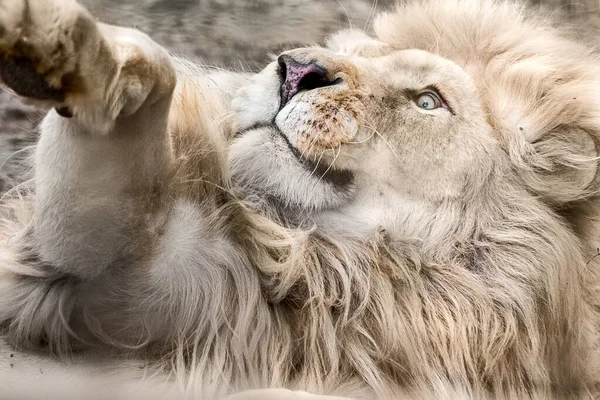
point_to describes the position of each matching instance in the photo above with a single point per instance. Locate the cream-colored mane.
(446, 253)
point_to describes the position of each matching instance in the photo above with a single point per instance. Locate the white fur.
(177, 223)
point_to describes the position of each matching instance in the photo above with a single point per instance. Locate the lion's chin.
(264, 163)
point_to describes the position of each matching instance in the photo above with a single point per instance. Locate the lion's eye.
(429, 101)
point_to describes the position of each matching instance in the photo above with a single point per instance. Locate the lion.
(406, 214)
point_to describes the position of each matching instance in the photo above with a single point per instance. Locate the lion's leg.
(101, 166)
(103, 157)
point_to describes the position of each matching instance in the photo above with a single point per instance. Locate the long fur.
(500, 299)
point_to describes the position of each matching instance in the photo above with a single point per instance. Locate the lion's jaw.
(362, 150)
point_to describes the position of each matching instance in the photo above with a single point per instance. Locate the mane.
(499, 292)
(479, 309)
(481, 318)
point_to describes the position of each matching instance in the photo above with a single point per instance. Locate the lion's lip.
(339, 177)
(326, 172)
(293, 149)
(273, 127)
(258, 125)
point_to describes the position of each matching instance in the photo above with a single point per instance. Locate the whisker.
(330, 164)
(24, 149)
(347, 15)
(380, 136)
(364, 140)
(310, 145)
(371, 15)
(224, 189)
(317, 163)
(17, 188)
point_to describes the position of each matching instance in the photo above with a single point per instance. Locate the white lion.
(408, 215)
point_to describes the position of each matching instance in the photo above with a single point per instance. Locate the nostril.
(297, 77)
(282, 67)
(313, 80)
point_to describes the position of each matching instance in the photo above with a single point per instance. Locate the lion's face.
(325, 128)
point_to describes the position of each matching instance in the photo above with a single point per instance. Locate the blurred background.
(238, 34)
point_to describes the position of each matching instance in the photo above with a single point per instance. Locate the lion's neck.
(399, 215)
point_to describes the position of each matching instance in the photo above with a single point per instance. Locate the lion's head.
(424, 113)
(364, 121)
(463, 137)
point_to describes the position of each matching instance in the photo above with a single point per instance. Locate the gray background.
(238, 34)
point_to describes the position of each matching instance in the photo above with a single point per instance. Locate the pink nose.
(297, 77)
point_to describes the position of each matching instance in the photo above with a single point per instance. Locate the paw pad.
(21, 76)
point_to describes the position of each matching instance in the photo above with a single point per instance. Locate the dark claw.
(64, 112)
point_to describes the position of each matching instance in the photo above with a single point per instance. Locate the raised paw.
(42, 46)
(55, 55)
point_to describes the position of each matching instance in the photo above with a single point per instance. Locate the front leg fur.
(102, 166)
(101, 171)
(96, 194)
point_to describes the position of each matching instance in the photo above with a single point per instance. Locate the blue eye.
(428, 101)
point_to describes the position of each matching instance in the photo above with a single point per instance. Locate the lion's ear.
(545, 107)
(559, 166)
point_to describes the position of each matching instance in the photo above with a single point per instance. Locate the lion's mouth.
(334, 175)
(324, 171)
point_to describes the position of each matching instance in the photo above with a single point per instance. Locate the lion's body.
(450, 259)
